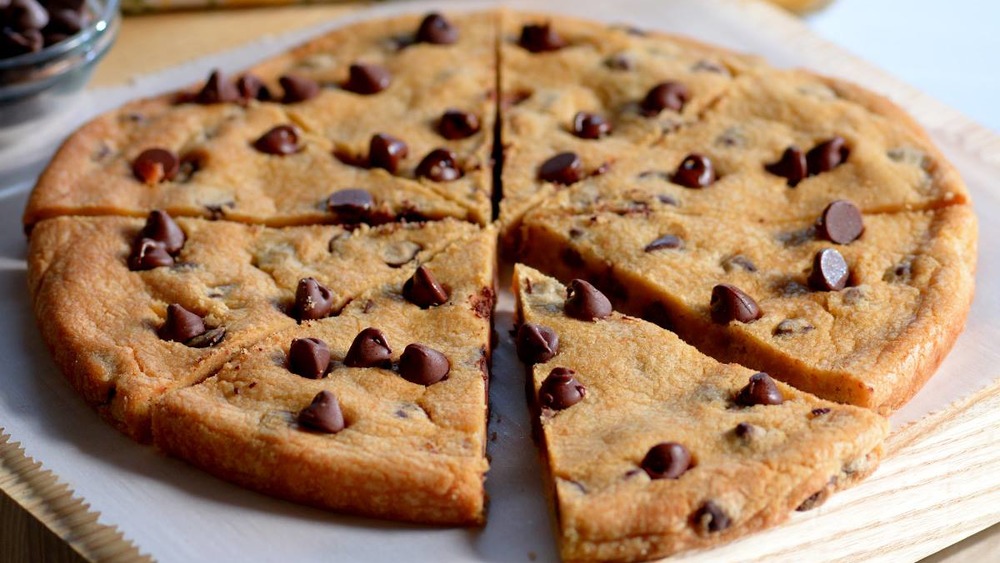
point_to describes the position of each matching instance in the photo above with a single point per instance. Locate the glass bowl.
(40, 85)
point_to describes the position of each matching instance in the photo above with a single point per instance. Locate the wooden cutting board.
(940, 481)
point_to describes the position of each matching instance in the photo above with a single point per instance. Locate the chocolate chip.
(148, 254)
(161, 227)
(323, 414)
(400, 253)
(281, 140)
(564, 168)
(730, 303)
(536, 344)
(709, 518)
(351, 204)
(370, 349)
(668, 460)
(181, 325)
(792, 327)
(440, 165)
(667, 200)
(423, 290)
(738, 262)
(540, 38)
(207, 339)
(252, 88)
(744, 430)
(312, 300)
(153, 166)
(666, 241)
(385, 151)
(297, 88)
(561, 390)
(217, 90)
(901, 272)
(791, 166)
(830, 272)
(709, 66)
(585, 303)
(761, 390)
(64, 22)
(25, 14)
(666, 95)
(813, 500)
(455, 124)
(620, 61)
(14, 43)
(367, 79)
(819, 412)
(827, 155)
(695, 171)
(590, 126)
(309, 357)
(437, 30)
(422, 365)
(841, 223)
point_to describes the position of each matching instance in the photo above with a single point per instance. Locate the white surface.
(177, 513)
(946, 49)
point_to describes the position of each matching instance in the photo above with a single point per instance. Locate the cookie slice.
(398, 430)
(855, 308)
(570, 87)
(132, 310)
(652, 448)
(303, 138)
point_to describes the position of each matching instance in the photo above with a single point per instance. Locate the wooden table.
(29, 528)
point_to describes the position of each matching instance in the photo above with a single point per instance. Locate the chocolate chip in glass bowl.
(536, 344)
(155, 165)
(281, 140)
(564, 168)
(456, 124)
(829, 272)
(297, 88)
(309, 358)
(14, 43)
(423, 365)
(540, 38)
(181, 325)
(730, 303)
(367, 79)
(668, 460)
(695, 171)
(584, 302)
(312, 300)
(440, 165)
(386, 152)
(436, 30)
(666, 95)
(20, 15)
(323, 414)
(369, 349)
(561, 390)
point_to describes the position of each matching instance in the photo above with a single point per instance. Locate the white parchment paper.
(177, 513)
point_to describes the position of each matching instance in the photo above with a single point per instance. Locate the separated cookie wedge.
(652, 448)
(379, 411)
(854, 308)
(370, 123)
(132, 309)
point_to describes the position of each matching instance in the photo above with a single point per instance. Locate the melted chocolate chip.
(209, 338)
(323, 414)
(217, 90)
(352, 205)
(370, 349)
(367, 79)
(455, 124)
(819, 412)
(312, 300)
(840, 223)
(297, 89)
(665, 242)
(827, 155)
(148, 254)
(710, 518)
(536, 344)
(281, 140)
(695, 171)
(564, 168)
(792, 327)
(738, 262)
(590, 126)
(385, 151)
(744, 430)
(423, 290)
(668, 460)
(761, 390)
(585, 302)
(309, 357)
(440, 165)
(791, 166)
(540, 38)
(830, 271)
(181, 325)
(666, 95)
(730, 303)
(153, 166)
(400, 253)
(437, 30)
(161, 227)
(561, 390)
(422, 365)
(252, 88)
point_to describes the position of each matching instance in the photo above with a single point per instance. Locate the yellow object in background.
(801, 6)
